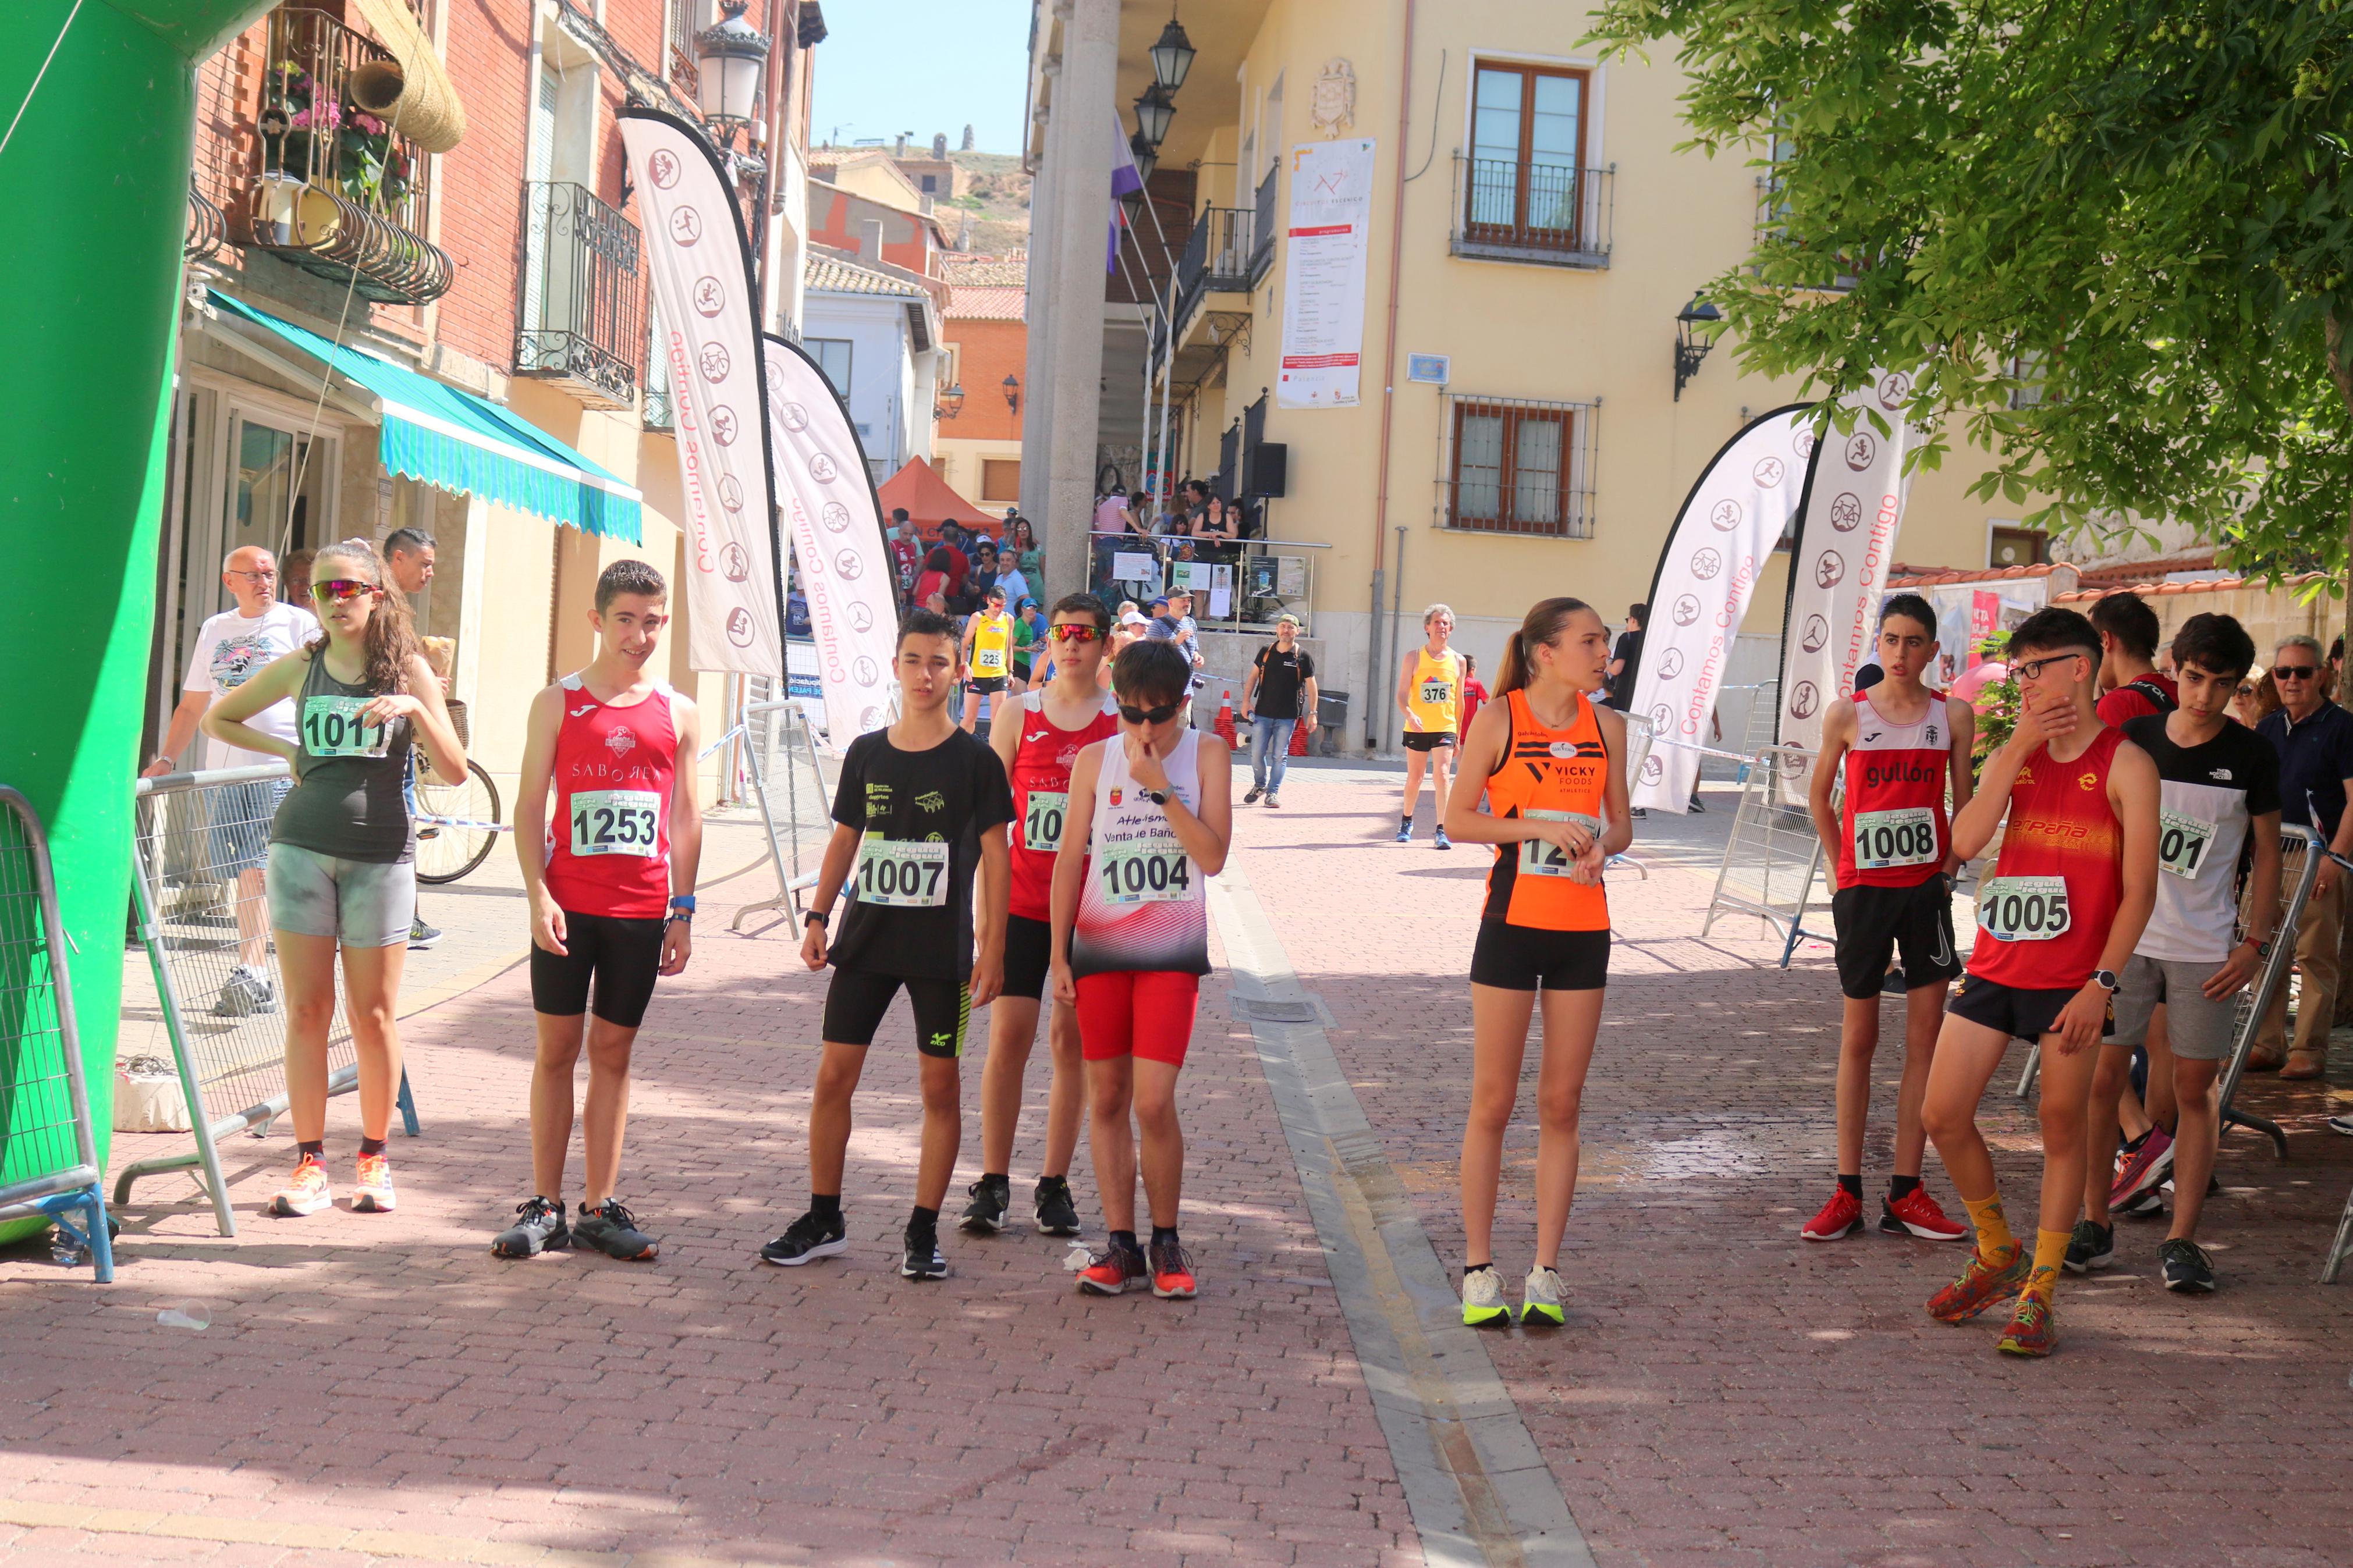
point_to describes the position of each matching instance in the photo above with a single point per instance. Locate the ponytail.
(1546, 620)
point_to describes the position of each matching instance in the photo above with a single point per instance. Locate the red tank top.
(2044, 914)
(1041, 797)
(608, 842)
(1892, 832)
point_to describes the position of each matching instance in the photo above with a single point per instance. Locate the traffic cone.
(1299, 739)
(1225, 724)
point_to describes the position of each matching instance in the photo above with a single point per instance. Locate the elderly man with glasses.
(2314, 738)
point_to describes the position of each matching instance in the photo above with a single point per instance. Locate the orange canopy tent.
(930, 503)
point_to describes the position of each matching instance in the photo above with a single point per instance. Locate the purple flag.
(1125, 181)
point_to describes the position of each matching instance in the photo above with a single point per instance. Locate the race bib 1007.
(2023, 908)
(616, 822)
(1538, 859)
(1041, 821)
(1905, 836)
(901, 873)
(331, 727)
(1154, 871)
(2182, 841)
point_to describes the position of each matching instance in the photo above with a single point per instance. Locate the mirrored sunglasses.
(342, 588)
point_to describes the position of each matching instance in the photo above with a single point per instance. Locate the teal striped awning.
(453, 440)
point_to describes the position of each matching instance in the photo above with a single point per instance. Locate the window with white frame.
(832, 356)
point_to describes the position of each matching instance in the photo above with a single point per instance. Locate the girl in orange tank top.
(1551, 767)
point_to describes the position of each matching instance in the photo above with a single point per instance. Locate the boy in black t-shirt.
(1279, 692)
(920, 808)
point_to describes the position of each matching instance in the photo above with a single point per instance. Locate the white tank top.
(1144, 906)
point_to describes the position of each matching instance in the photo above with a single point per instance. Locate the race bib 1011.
(331, 727)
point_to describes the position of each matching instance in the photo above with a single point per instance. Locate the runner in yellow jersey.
(1430, 693)
(987, 655)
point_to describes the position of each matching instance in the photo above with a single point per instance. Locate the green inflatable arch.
(94, 183)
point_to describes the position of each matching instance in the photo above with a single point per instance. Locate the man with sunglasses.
(988, 653)
(2059, 916)
(1051, 726)
(231, 648)
(2314, 738)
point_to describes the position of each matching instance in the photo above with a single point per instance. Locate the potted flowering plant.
(341, 145)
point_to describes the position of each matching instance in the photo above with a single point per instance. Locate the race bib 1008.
(2182, 841)
(901, 873)
(1154, 871)
(616, 822)
(1041, 820)
(331, 727)
(1538, 859)
(1905, 836)
(2023, 908)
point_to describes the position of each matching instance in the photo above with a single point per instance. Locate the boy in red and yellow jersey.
(2057, 919)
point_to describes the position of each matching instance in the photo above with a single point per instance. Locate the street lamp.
(1012, 385)
(1146, 156)
(731, 58)
(950, 403)
(1154, 111)
(1172, 56)
(1691, 347)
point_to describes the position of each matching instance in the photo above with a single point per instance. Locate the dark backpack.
(2146, 685)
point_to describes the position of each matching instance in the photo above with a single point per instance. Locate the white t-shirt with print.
(231, 650)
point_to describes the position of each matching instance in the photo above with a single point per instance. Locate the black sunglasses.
(2293, 671)
(1149, 715)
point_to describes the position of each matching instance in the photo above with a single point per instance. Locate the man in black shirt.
(920, 808)
(2314, 738)
(1279, 692)
(1626, 657)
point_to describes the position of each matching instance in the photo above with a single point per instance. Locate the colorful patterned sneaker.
(1483, 1299)
(1172, 1272)
(1916, 1214)
(1540, 1300)
(1981, 1284)
(2144, 1168)
(1840, 1216)
(2091, 1247)
(372, 1192)
(1056, 1212)
(614, 1231)
(539, 1228)
(306, 1191)
(2031, 1331)
(1113, 1269)
(2186, 1265)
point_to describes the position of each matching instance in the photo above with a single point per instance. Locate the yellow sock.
(2049, 1251)
(1994, 1239)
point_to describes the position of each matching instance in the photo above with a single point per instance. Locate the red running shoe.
(1172, 1273)
(1981, 1284)
(1916, 1213)
(1842, 1215)
(2142, 1170)
(2031, 1331)
(1113, 1269)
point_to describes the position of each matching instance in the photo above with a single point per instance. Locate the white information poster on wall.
(1222, 592)
(1329, 236)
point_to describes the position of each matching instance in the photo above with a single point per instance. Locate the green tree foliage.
(2111, 240)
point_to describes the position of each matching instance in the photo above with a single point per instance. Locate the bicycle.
(456, 824)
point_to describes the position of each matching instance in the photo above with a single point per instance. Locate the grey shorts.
(360, 904)
(2196, 1027)
(240, 823)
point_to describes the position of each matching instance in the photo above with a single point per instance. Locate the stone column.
(1074, 306)
(1037, 392)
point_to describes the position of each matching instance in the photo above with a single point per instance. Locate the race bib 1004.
(1041, 822)
(1154, 871)
(2023, 908)
(2182, 841)
(616, 822)
(1905, 836)
(1538, 859)
(902, 873)
(331, 727)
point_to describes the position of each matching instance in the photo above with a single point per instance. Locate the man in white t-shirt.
(232, 647)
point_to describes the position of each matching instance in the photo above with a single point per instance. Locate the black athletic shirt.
(951, 794)
(1281, 676)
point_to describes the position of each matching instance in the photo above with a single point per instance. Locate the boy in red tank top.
(1895, 748)
(2058, 916)
(611, 882)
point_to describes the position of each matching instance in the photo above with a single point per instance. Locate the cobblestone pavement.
(1724, 1394)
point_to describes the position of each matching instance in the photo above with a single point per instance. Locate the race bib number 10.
(2023, 908)
(903, 874)
(1041, 824)
(331, 727)
(616, 822)
(1538, 859)
(1904, 837)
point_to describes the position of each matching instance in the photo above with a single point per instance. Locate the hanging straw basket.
(410, 91)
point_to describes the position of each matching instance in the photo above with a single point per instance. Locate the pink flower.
(367, 122)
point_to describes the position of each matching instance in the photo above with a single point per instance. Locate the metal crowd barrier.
(1773, 856)
(788, 784)
(199, 843)
(48, 1147)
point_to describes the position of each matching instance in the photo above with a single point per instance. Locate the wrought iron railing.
(1217, 258)
(1510, 210)
(337, 190)
(1262, 225)
(582, 308)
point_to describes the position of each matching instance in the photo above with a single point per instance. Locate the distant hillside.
(998, 201)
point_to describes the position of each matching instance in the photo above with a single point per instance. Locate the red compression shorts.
(1146, 1014)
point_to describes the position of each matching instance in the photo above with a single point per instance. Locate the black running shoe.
(613, 1231)
(539, 1228)
(2092, 1246)
(1058, 1212)
(2186, 1265)
(1255, 791)
(991, 1196)
(809, 1237)
(922, 1259)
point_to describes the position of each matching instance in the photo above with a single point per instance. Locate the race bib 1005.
(331, 727)
(2023, 908)
(1538, 859)
(616, 822)
(1905, 836)
(1154, 871)
(1041, 822)
(2182, 841)
(901, 873)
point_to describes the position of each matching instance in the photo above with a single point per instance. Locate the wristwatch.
(2107, 979)
(815, 917)
(1156, 796)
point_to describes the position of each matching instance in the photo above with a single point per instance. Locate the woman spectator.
(2257, 696)
(935, 581)
(1218, 523)
(1021, 543)
(984, 574)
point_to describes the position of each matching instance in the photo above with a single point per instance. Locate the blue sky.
(923, 65)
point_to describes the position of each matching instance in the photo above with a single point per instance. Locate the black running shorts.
(1874, 924)
(1427, 740)
(986, 685)
(1524, 958)
(1028, 957)
(857, 999)
(2020, 1015)
(620, 955)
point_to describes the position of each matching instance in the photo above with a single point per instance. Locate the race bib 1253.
(616, 822)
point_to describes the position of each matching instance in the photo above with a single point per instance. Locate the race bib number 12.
(1538, 859)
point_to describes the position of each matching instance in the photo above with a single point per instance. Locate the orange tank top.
(1553, 774)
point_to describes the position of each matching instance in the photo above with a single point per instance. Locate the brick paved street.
(380, 1388)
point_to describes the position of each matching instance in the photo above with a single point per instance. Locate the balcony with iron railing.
(1553, 214)
(1262, 226)
(1216, 260)
(582, 322)
(337, 190)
